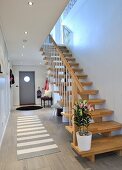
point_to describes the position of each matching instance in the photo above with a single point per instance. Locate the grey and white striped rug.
(32, 138)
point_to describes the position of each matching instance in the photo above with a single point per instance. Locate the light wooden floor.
(64, 160)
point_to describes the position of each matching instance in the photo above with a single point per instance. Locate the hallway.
(64, 160)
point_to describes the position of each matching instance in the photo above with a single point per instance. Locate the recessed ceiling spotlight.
(26, 32)
(23, 46)
(40, 63)
(30, 3)
(22, 55)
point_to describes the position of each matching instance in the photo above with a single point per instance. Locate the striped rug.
(32, 138)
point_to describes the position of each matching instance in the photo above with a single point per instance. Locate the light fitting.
(26, 32)
(30, 3)
(23, 46)
(22, 55)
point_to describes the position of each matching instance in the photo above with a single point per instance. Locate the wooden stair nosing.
(83, 83)
(70, 59)
(65, 114)
(85, 92)
(63, 70)
(82, 76)
(101, 112)
(73, 64)
(89, 92)
(96, 101)
(104, 126)
(65, 50)
(62, 46)
(101, 127)
(86, 83)
(97, 113)
(101, 145)
(91, 101)
(69, 129)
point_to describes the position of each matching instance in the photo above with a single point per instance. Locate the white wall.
(40, 76)
(4, 88)
(97, 44)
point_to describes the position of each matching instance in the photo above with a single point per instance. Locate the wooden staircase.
(72, 85)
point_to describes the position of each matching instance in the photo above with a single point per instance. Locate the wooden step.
(96, 101)
(105, 126)
(67, 54)
(62, 46)
(101, 112)
(101, 145)
(69, 129)
(63, 69)
(63, 84)
(66, 92)
(77, 69)
(70, 58)
(101, 127)
(85, 92)
(90, 101)
(67, 115)
(64, 50)
(56, 58)
(73, 64)
(96, 114)
(81, 76)
(86, 83)
(89, 92)
(83, 83)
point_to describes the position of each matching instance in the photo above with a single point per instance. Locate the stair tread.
(69, 129)
(101, 127)
(90, 92)
(67, 54)
(96, 113)
(83, 83)
(90, 101)
(105, 126)
(66, 114)
(101, 112)
(62, 46)
(101, 145)
(70, 58)
(82, 76)
(96, 101)
(86, 83)
(73, 64)
(58, 69)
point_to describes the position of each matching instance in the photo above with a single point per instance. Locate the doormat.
(33, 139)
(24, 108)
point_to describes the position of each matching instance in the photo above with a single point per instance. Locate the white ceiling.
(16, 17)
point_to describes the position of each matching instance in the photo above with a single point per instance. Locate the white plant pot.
(84, 142)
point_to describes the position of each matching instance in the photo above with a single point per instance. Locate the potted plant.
(82, 118)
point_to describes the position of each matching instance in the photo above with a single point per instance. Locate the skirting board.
(4, 130)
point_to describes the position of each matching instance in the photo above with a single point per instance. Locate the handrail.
(69, 68)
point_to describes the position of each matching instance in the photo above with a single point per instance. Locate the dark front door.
(27, 87)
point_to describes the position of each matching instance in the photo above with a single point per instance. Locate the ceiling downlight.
(30, 3)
